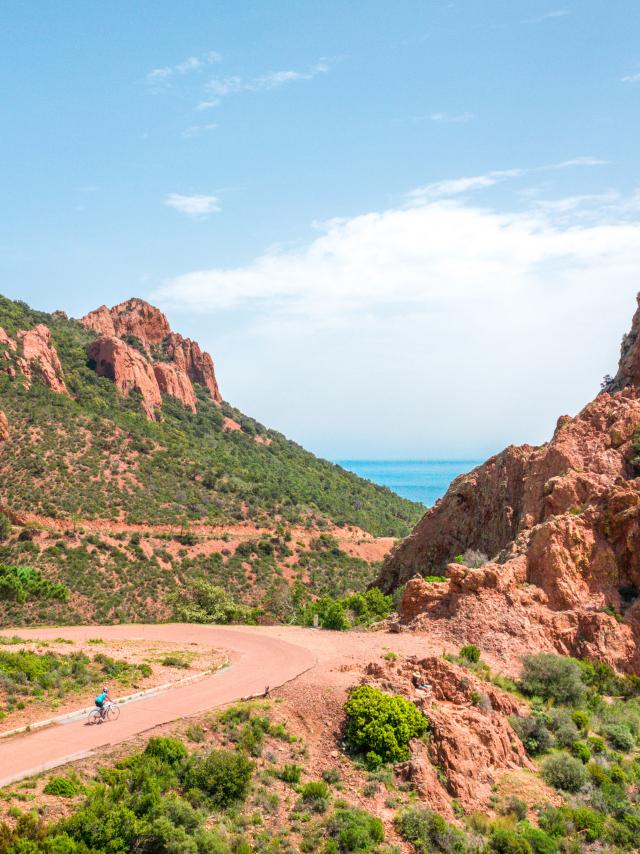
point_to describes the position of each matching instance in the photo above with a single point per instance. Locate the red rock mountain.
(32, 354)
(137, 350)
(561, 527)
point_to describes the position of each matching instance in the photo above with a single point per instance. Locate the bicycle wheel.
(94, 717)
(113, 713)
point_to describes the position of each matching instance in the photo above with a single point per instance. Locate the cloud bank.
(448, 326)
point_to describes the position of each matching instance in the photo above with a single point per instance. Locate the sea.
(419, 480)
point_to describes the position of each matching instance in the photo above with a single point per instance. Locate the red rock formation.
(137, 319)
(4, 427)
(33, 354)
(128, 369)
(173, 381)
(561, 524)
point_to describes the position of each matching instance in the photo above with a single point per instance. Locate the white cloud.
(198, 130)
(451, 118)
(196, 206)
(221, 87)
(631, 78)
(539, 19)
(444, 328)
(187, 66)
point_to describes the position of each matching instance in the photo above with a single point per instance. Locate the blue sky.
(402, 229)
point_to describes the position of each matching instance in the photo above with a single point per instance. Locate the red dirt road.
(258, 659)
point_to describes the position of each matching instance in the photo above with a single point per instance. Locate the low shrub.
(315, 795)
(618, 736)
(223, 775)
(427, 831)
(169, 750)
(534, 733)
(552, 677)
(380, 726)
(63, 787)
(470, 653)
(354, 829)
(581, 752)
(505, 841)
(289, 773)
(564, 772)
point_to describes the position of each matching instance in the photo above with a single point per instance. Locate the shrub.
(427, 831)
(508, 842)
(533, 732)
(331, 776)
(315, 795)
(581, 720)
(563, 727)
(581, 752)
(588, 822)
(564, 772)
(169, 750)
(289, 774)
(223, 775)
(470, 653)
(539, 840)
(203, 602)
(515, 806)
(175, 661)
(355, 829)
(380, 726)
(63, 787)
(618, 736)
(552, 677)
(5, 527)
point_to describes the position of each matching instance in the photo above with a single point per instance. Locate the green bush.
(223, 775)
(470, 653)
(315, 795)
(203, 602)
(427, 831)
(380, 726)
(564, 772)
(289, 774)
(331, 776)
(539, 840)
(587, 822)
(552, 677)
(506, 841)
(22, 584)
(581, 752)
(618, 736)
(5, 527)
(355, 829)
(63, 787)
(534, 733)
(169, 750)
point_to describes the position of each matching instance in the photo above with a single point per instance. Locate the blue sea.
(419, 480)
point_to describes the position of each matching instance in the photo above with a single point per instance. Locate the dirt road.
(258, 660)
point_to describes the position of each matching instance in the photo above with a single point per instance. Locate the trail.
(258, 660)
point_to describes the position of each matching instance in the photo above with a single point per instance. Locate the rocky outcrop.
(561, 524)
(470, 740)
(177, 362)
(4, 427)
(173, 381)
(32, 354)
(128, 369)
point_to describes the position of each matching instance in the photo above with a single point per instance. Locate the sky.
(403, 230)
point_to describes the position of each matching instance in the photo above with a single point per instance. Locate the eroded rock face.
(468, 744)
(128, 369)
(561, 524)
(173, 381)
(4, 427)
(177, 362)
(31, 353)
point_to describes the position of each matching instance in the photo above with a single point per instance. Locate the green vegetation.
(203, 602)
(427, 832)
(552, 677)
(564, 772)
(63, 787)
(470, 653)
(358, 609)
(185, 467)
(36, 675)
(22, 584)
(380, 726)
(354, 830)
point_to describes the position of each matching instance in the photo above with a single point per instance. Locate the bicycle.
(111, 712)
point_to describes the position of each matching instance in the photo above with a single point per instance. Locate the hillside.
(114, 431)
(538, 548)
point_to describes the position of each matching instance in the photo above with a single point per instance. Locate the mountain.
(539, 547)
(113, 430)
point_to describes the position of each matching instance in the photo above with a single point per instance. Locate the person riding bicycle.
(101, 699)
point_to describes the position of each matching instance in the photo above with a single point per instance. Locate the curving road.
(258, 659)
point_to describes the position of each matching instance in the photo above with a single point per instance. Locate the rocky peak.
(32, 353)
(629, 367)
(173, 363)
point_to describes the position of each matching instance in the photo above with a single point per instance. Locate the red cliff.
(560, 528)
(174, 363)
(32, 354)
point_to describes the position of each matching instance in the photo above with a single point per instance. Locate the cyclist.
(101, 699)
